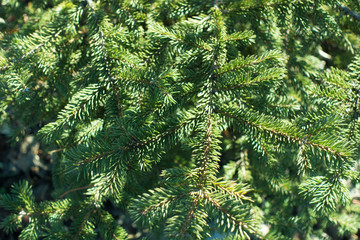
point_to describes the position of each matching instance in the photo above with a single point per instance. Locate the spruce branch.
(105, 57)
(81, 230)
(241, 226)
(291, 137)
(349, 12)
(47, 34)
(138, 144)
(77, 109)
(177, 38)
(153, 106)
(271, 75)
(47, 40)
(242, 62)
(183, 233)
(232, 188)
(325, 193)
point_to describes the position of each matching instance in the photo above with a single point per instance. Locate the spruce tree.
(200, 118)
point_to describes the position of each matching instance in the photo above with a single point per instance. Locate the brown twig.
(75, 189)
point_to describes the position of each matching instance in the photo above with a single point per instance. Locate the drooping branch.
(349, 12)
(290, 137)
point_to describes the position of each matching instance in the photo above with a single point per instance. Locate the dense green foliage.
(200, 118)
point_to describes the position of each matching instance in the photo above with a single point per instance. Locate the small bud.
(25, 218)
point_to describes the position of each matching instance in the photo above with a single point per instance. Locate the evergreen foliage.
(197, 117)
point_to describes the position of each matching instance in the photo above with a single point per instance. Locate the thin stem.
(75, 189)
